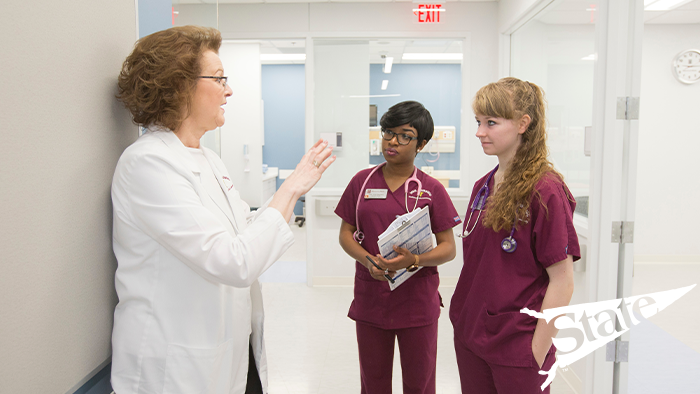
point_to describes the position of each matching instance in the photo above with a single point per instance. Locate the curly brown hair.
(158, 78)
(511, 98)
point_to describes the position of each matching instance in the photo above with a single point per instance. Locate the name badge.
(375, 194)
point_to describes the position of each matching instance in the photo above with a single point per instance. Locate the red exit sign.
(428, 13)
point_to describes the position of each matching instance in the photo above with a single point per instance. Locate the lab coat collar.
(225, 184)
(174, 143)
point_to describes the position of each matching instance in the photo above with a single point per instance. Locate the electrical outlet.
(326, 206)
(427, 169)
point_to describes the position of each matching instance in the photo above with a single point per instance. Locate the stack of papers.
(410, 231)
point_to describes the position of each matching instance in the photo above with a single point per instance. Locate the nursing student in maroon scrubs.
(410, 312)
(519, 246)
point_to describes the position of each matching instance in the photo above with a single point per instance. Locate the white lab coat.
(189, 297)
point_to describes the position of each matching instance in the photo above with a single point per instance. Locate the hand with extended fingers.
(312, 165)
(307, 173)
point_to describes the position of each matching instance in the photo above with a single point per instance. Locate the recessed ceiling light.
(385, 84)
(592, 56)
(388, 61)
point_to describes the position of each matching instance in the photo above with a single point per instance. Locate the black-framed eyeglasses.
(401, 138)
(221, 80)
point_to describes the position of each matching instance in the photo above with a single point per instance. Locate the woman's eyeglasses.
(220, 80)
(402, 139)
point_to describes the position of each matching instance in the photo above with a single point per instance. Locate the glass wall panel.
(355, 77)
(556, 51)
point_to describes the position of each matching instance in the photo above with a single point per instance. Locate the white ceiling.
(570, 12)
(566, 12)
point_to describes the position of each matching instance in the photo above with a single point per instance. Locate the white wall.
(668, 186)
(62, 132)
(243, 124)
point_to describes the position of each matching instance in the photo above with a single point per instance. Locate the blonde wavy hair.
(511, 98)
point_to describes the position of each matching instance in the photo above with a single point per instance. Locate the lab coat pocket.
(198, 370)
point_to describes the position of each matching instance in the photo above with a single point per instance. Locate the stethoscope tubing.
(478, 205)
(359, 236)
(508, 244)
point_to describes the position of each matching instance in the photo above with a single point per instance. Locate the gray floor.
(311, 344)
(312, 349)
(310, 341)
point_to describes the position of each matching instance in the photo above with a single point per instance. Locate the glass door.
(586, 57)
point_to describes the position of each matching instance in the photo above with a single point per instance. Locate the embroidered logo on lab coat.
(227, 183)
(424, 194)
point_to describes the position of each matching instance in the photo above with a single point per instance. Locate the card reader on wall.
(334, 139)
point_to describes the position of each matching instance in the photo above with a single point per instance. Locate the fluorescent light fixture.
(432, 56)
(376, 95)
(385, 84)
(429, 10)
(664, 5)
(592, 56)
(388, 61)
(282, 57)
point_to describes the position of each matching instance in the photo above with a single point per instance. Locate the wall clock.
(686, 66)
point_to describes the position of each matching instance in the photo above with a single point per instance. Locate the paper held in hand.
(411, 231)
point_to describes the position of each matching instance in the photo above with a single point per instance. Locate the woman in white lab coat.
(189, 251)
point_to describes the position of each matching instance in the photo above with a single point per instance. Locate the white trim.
(527, 16)
(309, 142)
(504, 55)
(332, 281)
(136, 12)
(466, 122)
(667, 259)
(450, 174)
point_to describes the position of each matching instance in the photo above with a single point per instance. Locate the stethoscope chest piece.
(509, 244)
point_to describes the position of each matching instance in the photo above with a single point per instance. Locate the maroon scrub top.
(416, 302)
(495, 285)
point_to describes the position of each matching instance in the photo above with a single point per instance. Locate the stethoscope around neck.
(509, 245)
(359, 236)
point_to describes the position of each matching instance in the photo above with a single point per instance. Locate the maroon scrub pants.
(418, 352)
(480, 377)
